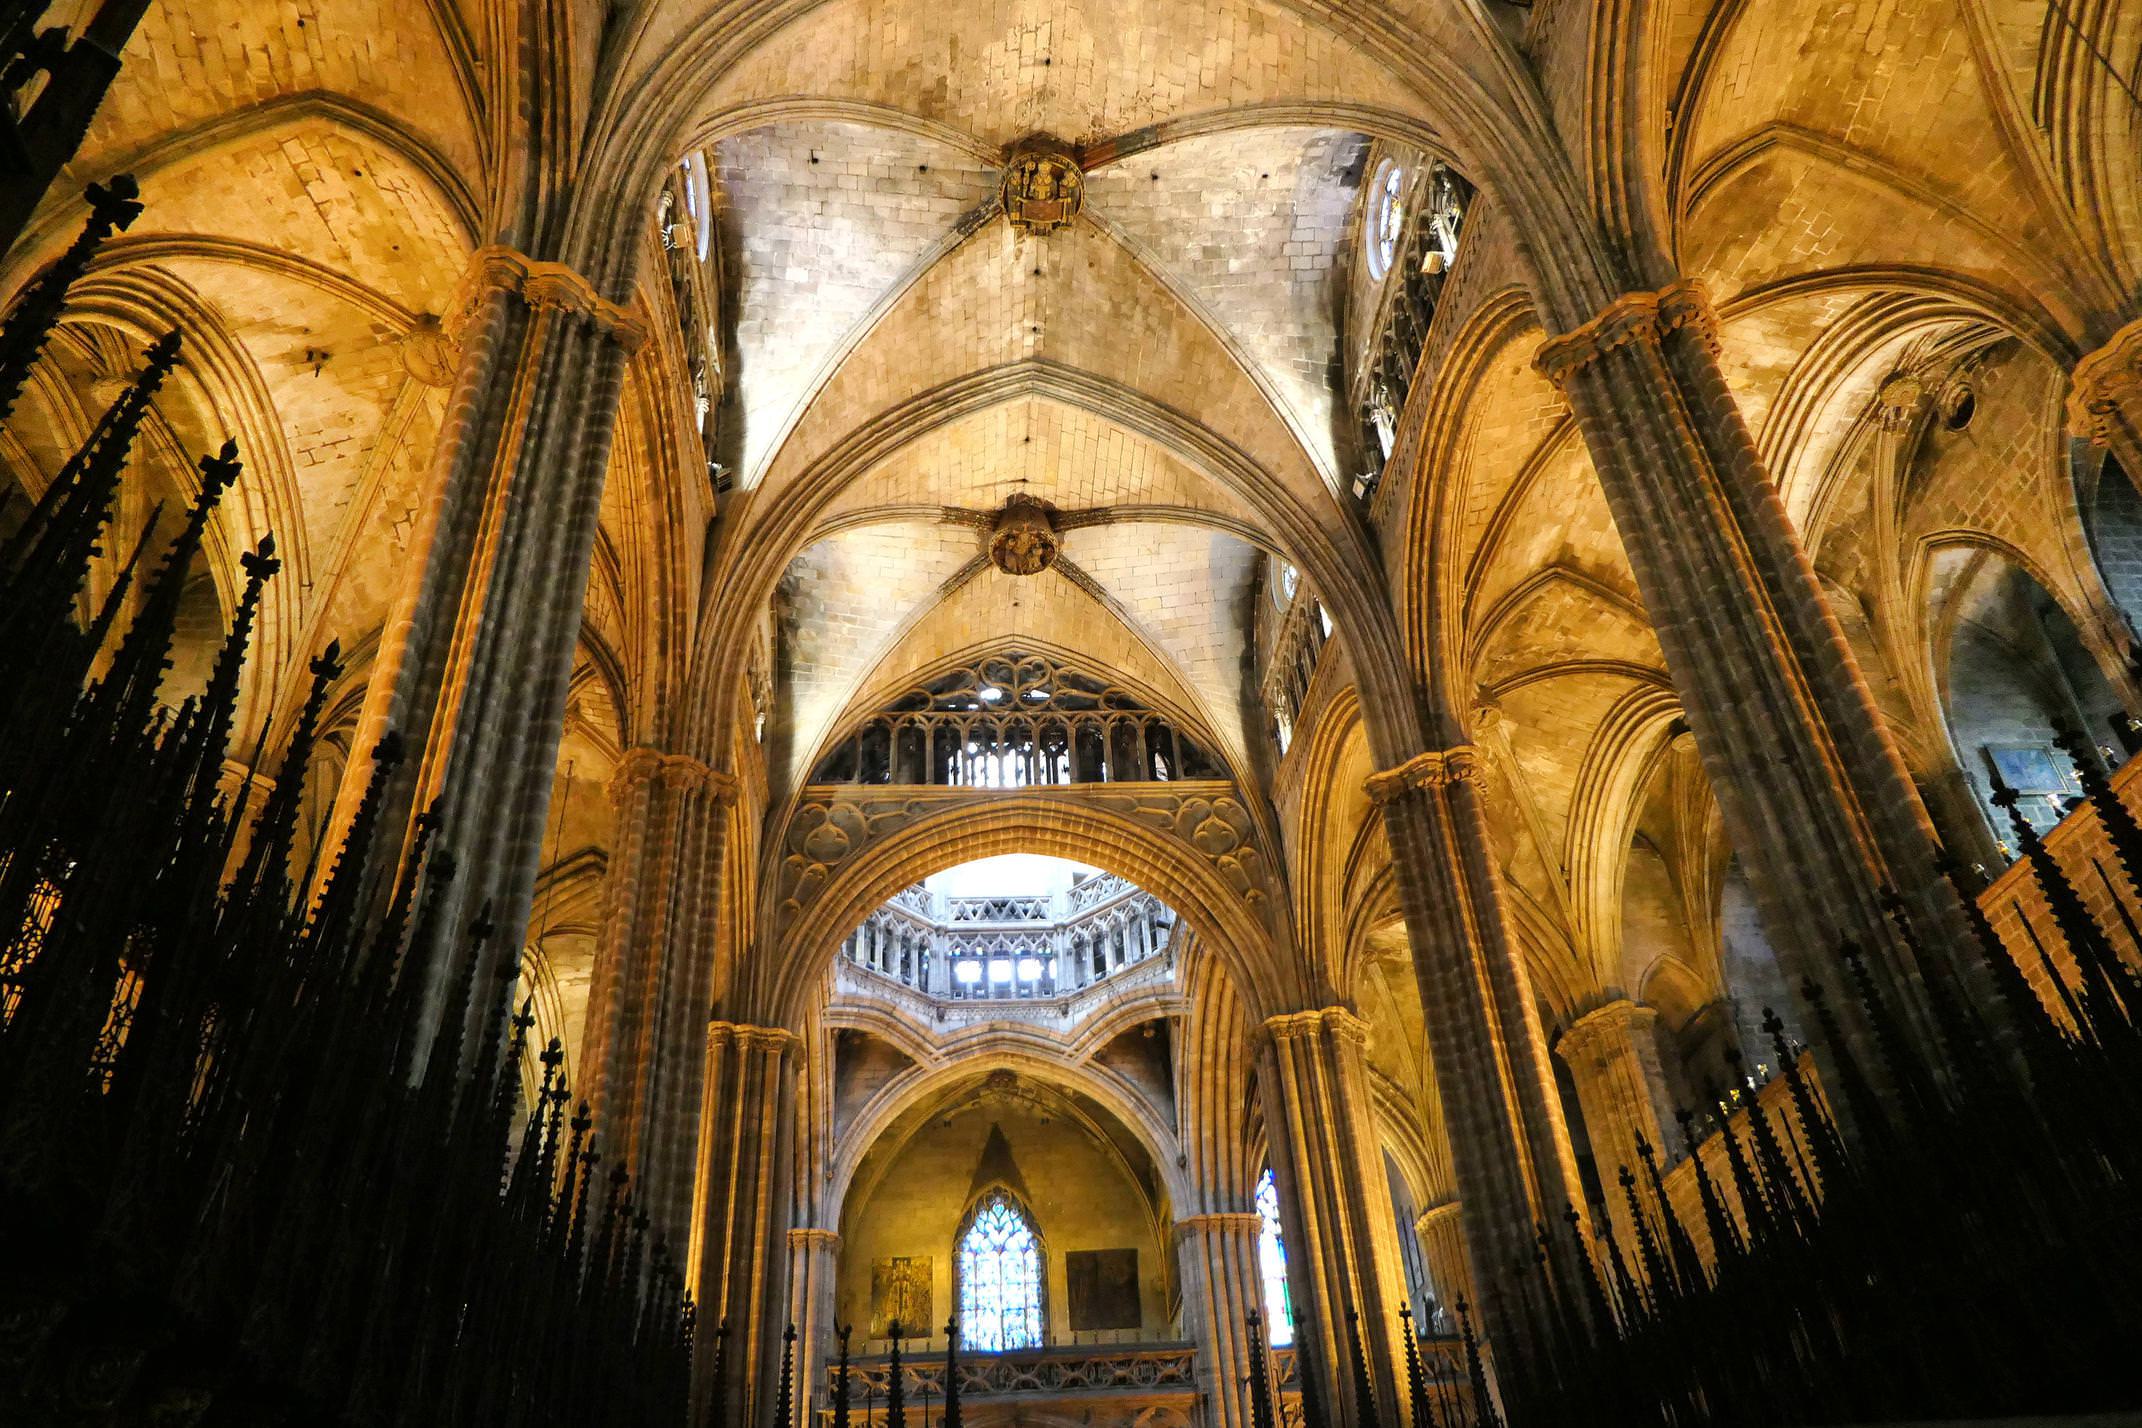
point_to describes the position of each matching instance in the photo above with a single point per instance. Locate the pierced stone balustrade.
(1130, 1379)
(1034, 948)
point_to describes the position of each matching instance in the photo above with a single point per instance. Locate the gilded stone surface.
(1023, 541)
(1042, 188)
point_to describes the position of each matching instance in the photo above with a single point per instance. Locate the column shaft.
(1442, 1236)
(1814, 794)
(654, 971)
(476, 656)
(1335, 1199)
(1217, 1258)
(1613, 1059)
(746, 1117)
(1510, 1151)
(813, 1257)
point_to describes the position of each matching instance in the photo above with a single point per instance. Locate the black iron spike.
(1260, 1383)
(2094, 958)
(1416, 1378)
(1308, 1382)
(1476, 1370)
(840, 1383)
(952, 1414)
(785, 1395)
(1365, 1413)
(113, 207)
(895, 1384)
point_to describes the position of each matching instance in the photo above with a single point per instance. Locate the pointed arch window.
(1272, 1264)
(999, 1259)
(1387, 219)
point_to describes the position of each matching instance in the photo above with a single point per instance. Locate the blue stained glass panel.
(1272, 1265)
(999, 1280)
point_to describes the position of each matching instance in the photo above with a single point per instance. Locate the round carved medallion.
(1043, 187)
(1023, 540)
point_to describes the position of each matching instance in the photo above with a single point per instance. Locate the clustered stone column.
(1814, 794)
(1904, 410)
(1441, 1232)
(746, 1128)
(476, 655)
(1613, 1059)
(654, 973)
(2105, 398)
(1217, 1258)
(813, 1260)
(1335, 1204)
(1509, 1147)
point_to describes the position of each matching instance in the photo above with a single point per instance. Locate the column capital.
(1638, 317)
(1292, 1026)
(1433, 769)
(1220, 1222)
(2104, 383)
(750, 1038)
(1617, 1021)
(545, 285)
(1446, 1213)
(810, 1238)
(643, 765)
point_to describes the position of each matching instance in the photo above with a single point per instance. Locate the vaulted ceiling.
(873, 269)
(1867, 186)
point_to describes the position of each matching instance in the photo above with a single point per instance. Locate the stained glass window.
(1387, 218)
(1272, 1265)
(999, 1279)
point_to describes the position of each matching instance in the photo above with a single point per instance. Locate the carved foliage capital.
(546, 287)
(1295, 1026)
(1432, 769)
(746, 1039)
(1219, 1223)
(2106, 383)
(643, 766)
(1632, 318)
(1606, 1032)
(1435, 1216)
(807, 1238)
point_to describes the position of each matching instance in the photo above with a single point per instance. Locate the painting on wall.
(900, 1294)
(2040, 777)
(1103, 1287)
(2029, 768)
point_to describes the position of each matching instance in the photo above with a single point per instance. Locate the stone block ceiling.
(825, 221)
(1248, 227)
(1007, 68)
(871, 273)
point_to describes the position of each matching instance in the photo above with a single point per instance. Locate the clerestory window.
(1014, 721)
(1387, 218)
